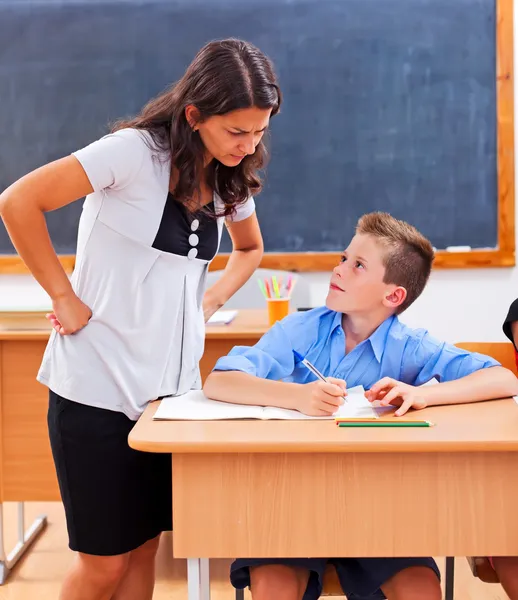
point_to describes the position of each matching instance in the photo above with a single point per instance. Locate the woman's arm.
(22, 208)
(247, 251)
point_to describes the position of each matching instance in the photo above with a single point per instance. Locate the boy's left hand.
(390, 391)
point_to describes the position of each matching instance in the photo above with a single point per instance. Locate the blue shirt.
(394, 350)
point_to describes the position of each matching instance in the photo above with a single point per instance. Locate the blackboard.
(389, 104)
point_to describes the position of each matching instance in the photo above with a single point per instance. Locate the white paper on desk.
(222, 317)
(195, 406)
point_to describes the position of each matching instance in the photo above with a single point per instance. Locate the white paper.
(222, 317)
(195, 406)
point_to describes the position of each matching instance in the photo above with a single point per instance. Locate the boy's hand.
(390, 391)
(322, 399)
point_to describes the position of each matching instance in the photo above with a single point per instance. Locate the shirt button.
(195, 224)
(193, 239)
(193, 253)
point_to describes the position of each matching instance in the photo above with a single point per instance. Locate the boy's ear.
(396, 297)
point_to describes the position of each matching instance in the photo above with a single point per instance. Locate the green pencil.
(385, 424)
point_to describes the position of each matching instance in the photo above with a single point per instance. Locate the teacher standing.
(130, 325)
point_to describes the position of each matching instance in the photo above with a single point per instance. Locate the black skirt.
(115, 498)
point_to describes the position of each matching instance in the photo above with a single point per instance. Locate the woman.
(129, 328)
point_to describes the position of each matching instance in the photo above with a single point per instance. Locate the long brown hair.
(224, 76)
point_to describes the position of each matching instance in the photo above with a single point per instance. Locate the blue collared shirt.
(394, 350)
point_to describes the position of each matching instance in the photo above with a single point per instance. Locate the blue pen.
(312, 368)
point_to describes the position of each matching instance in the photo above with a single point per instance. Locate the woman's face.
(232, 136)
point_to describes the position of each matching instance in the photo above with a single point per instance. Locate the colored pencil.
(262, 288)
(380, 423)
(275, 286)
(267, 286)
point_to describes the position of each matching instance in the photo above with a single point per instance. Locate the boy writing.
(357, 338)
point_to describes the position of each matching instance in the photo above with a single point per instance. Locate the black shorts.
(115, 498)
(360, 578)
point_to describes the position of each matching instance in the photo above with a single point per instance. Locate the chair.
(332, 585)
(504, 353)
(482, 568)
(249, 296)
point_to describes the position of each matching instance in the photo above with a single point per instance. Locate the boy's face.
(357, 282)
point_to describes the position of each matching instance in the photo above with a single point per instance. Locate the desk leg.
(449, 578)
(25, 539)
(198, 579)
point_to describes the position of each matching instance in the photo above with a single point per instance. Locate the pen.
(313, 369)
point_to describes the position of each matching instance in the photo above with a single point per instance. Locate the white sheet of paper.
(195, 406)
(222, 317)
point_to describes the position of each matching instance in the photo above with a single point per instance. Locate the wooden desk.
(280, 488)
(27, 471)
(26, 466)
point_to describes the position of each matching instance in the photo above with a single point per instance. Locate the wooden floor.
(38, 575)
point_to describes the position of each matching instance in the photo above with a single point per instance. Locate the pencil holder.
(278, 308)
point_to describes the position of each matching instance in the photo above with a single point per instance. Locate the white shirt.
(147, 331)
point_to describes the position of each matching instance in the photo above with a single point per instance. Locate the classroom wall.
(458, 305)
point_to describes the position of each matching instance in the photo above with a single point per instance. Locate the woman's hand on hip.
(69, 314)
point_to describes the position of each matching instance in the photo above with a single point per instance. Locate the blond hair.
(409, 255)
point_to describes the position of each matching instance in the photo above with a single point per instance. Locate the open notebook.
(195, 406)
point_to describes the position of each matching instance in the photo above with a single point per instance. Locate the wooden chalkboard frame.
(501, 256)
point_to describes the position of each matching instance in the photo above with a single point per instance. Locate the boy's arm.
(317, 399)
(463, 377)
(250, 375)
(486, 384)
(242, 388)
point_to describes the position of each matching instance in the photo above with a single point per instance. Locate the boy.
(356, 338)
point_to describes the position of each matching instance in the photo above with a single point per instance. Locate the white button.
(193, 253)
(195, 224)
(193, 239)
